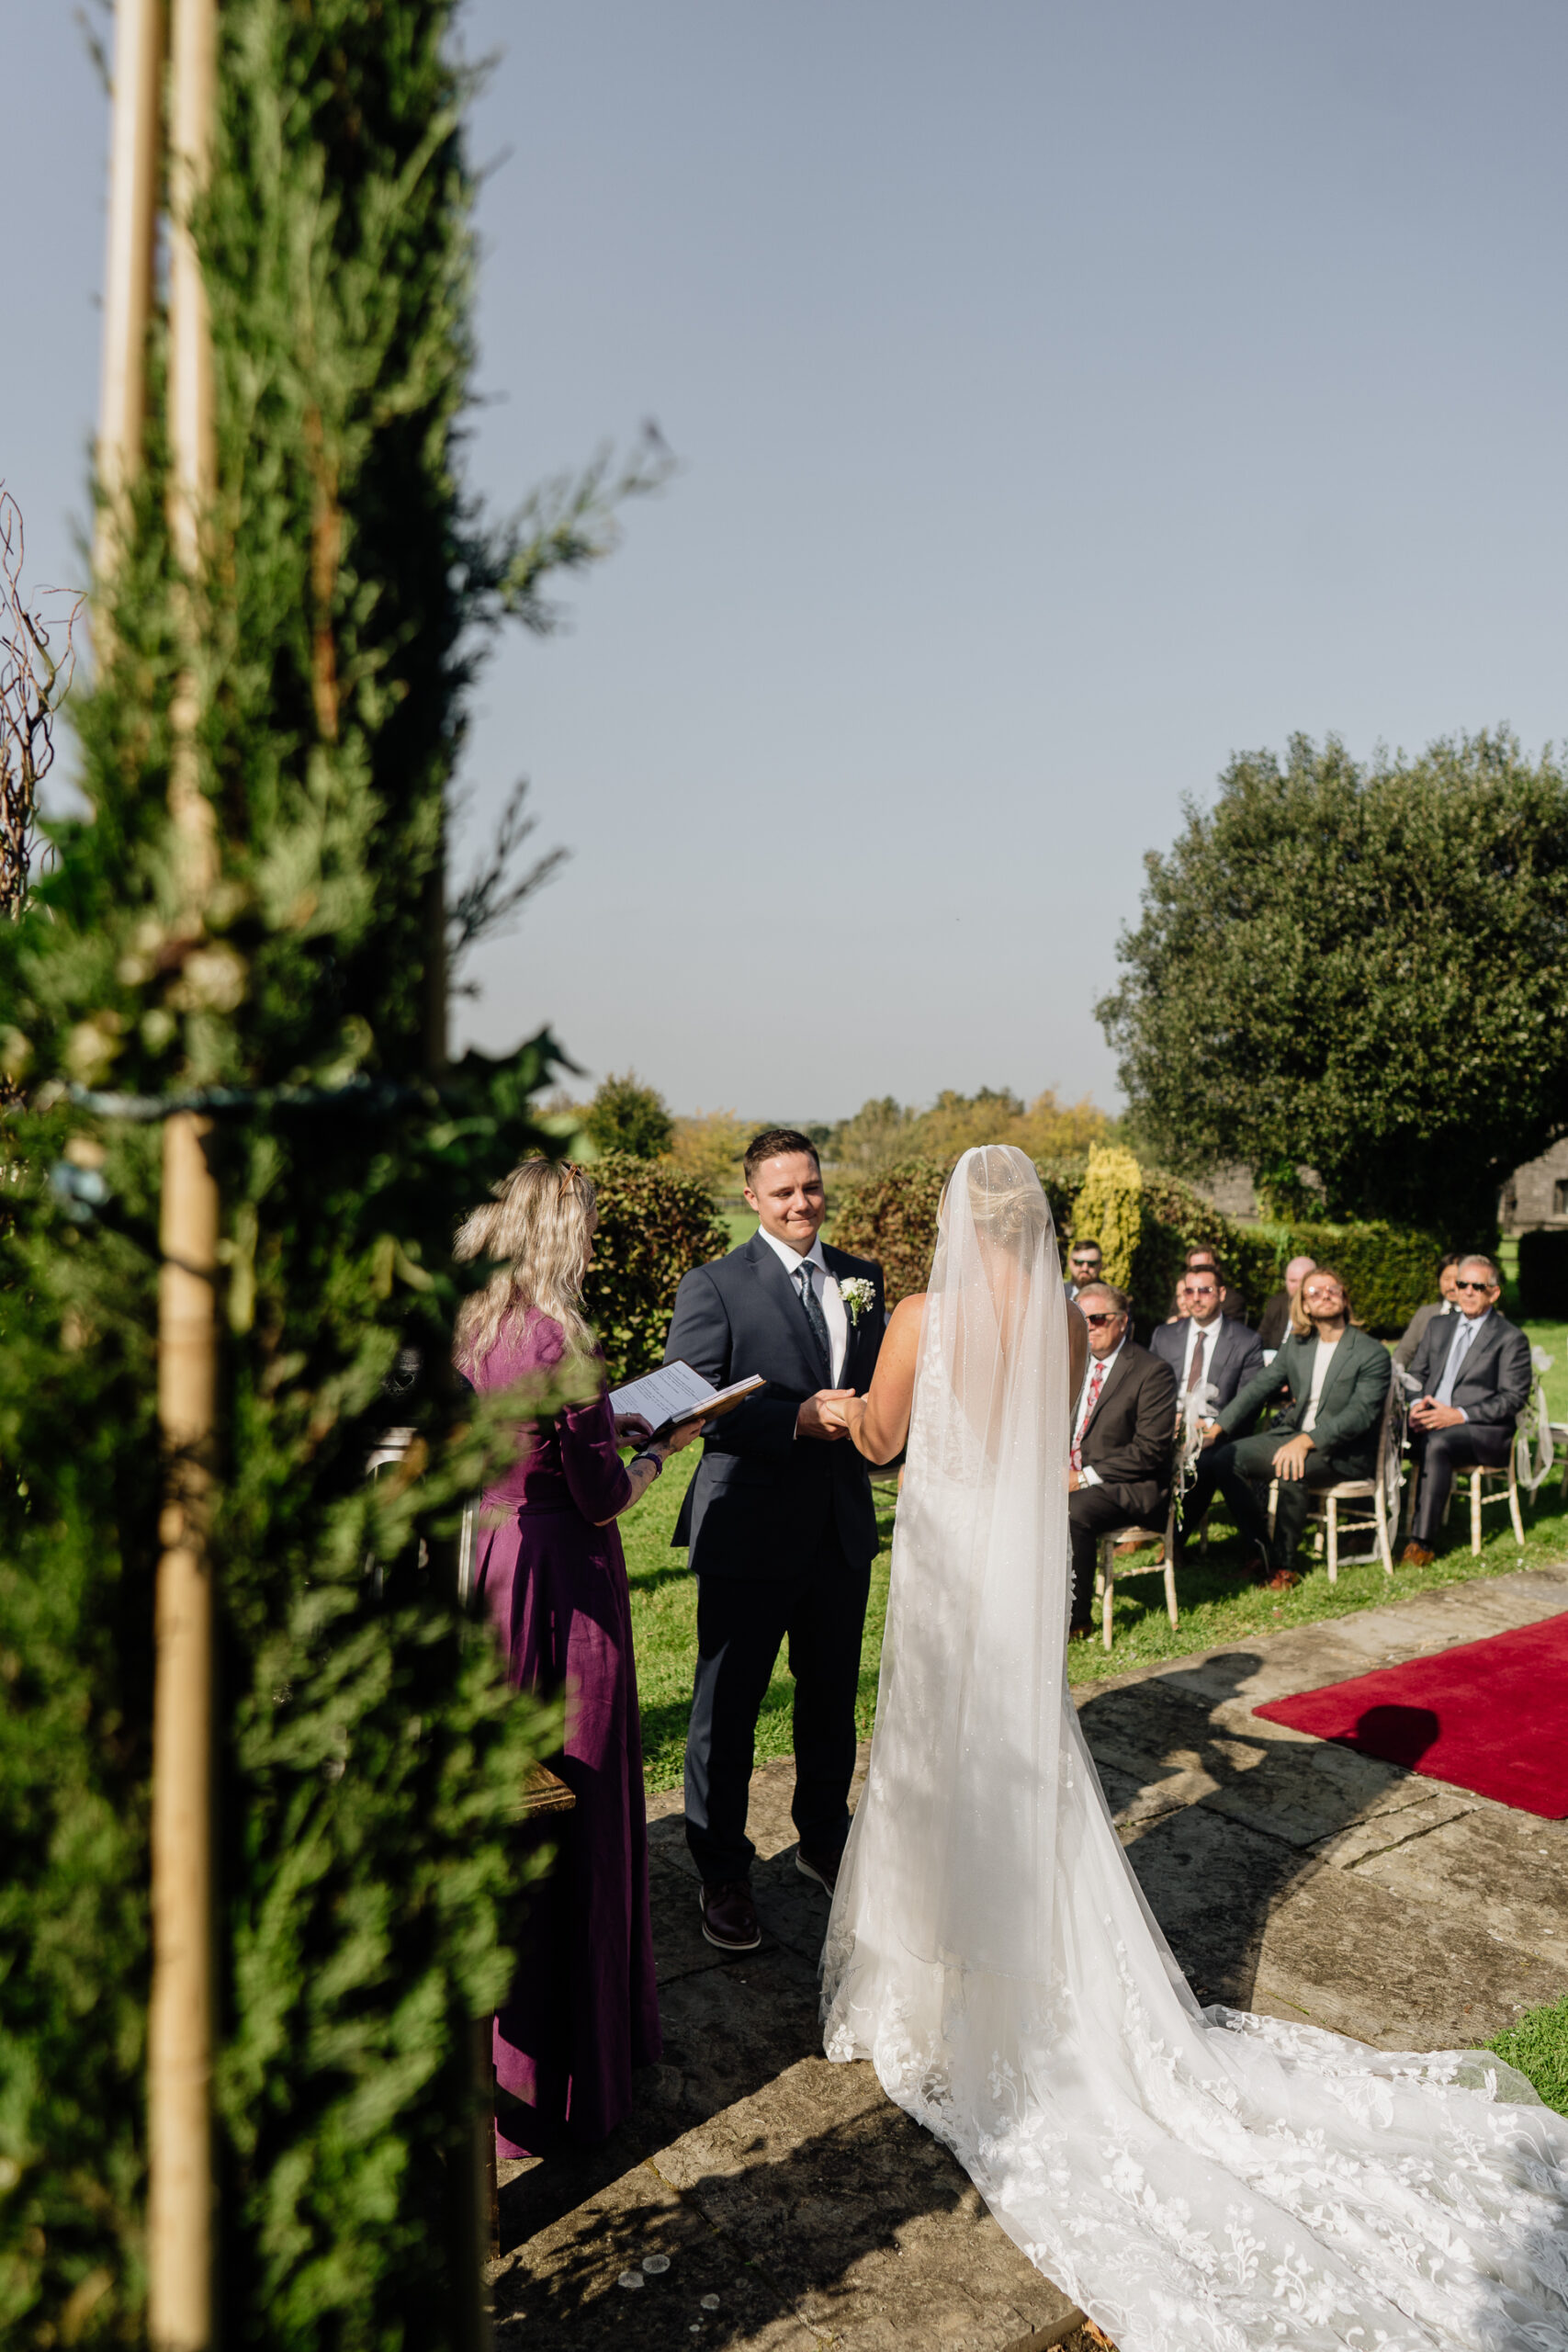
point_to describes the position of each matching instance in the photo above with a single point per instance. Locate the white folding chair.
(1135, 1539)
(1493, 1484)
(1356, 1507)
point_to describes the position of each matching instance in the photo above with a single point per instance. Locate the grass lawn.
(1537, 2046)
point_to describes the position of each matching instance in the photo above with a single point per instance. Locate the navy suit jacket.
(1234, 1356)
(763, 1500)
(1493, 1381)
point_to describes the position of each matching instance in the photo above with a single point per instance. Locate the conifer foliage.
(370, 1756)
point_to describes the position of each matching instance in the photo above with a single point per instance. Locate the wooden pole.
(179, 2087)
(128, 277)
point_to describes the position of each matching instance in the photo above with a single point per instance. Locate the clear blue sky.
(1067, 396)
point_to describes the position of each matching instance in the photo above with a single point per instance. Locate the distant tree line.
(627, 1117)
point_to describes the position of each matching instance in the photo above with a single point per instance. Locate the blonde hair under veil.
(978, 1612)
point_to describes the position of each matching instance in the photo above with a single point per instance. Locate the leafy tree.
(710, 1146)
(1359, 969)
(625, 1115)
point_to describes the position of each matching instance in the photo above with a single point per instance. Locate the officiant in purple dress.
(582, 2012)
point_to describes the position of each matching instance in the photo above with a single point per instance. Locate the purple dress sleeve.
(596, 1477)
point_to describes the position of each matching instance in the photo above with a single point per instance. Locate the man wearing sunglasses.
(1207, 1352)
(1118, 1470)
(1084, 1265)
(1473, 1369)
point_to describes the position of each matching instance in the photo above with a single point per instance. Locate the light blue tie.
(1463, 1339)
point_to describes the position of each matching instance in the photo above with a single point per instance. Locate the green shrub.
(1174, 1220)
(1543, 1275)
(1390, 1269)
(892, 1217)
(1109, 1209)
(628, 1116)
(655, 1224)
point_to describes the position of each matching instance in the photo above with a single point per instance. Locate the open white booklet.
(675, 1393)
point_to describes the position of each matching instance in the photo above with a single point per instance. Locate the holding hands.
(826, 1415)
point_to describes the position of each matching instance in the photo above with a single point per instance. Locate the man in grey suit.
(1336, 1381)
(1446, 1302)
(1474, 1374)
(1206, 1348)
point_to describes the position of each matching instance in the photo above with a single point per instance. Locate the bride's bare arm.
(878, 1422)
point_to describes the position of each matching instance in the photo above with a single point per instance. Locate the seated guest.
(1446, 1302)
(1205, 1351)
(1084, 1265)
(1275, 1322)
(1475, 1371)
(1336, 1381)
(1231, 1301)
(1119, 1472)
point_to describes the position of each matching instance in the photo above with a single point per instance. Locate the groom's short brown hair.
(772, 1143)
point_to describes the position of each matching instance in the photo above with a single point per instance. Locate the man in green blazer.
(1337, 1382)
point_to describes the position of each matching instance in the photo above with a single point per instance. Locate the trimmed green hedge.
(892, 1217)
(1390, 1269)
(654, 1226)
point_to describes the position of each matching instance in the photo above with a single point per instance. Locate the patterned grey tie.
(814, 1314)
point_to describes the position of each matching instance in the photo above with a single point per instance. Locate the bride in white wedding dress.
(1192, 2177)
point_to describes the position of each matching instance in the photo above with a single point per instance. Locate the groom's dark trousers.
(782, 1534)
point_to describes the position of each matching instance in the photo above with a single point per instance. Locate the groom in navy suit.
(781, 1524)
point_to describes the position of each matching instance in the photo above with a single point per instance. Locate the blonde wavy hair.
(537, 1230)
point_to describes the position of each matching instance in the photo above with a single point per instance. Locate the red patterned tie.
(1096, 1382)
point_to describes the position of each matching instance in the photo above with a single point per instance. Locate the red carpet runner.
(1492, 1716)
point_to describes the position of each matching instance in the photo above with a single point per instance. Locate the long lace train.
(1192, 2179)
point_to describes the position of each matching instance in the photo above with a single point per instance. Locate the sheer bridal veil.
(976, 1632)
(1198, 2181)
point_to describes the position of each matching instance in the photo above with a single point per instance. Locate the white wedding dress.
(1192, 2179)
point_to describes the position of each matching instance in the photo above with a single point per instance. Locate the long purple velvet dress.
(584, 2010)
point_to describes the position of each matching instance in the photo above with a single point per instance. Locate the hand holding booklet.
(675, 1394)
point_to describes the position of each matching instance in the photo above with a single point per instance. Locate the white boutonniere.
(858, 1294)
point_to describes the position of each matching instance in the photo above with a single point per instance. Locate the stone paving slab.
(1292, 1877)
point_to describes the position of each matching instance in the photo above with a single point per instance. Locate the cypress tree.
(370, 1756)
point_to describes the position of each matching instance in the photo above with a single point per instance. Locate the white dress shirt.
(1460, 1346)
(825, 1289)
(1088, 1475)
(1211, 1335)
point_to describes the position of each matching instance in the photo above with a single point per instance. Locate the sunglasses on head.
(1094, 1321)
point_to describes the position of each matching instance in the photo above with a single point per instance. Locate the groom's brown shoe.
(729, 1917)
(825, 1871)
